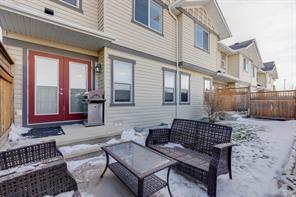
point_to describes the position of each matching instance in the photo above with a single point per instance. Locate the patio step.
(89, 150)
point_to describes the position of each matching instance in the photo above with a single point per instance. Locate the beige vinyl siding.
(233, 65)
(262, 79)
(149, 109)
(101, 15)
(118, 23)
(17, 69)
(100, 76)
(89, 17)
(192, 54)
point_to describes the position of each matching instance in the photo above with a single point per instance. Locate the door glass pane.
(78, 86)
(46, 85)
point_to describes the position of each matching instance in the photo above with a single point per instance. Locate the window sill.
(122, 104)
(168, 103)
(146, 27)
(183, 103)
(204, 50)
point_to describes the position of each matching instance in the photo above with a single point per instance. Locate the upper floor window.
(184, 91)
(169, 86)
(148, 13)
(74, 3)
(201, 38)
(253, 71)
(223, 61)
(247, 65)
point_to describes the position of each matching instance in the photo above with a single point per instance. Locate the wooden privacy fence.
(234, 99)
(273, 104)
(6, 91)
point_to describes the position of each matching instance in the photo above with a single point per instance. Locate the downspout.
(177, 61)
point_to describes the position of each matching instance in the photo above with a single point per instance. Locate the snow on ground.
(257, 165)
(15, 135)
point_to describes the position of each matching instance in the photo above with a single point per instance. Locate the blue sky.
(273, 24)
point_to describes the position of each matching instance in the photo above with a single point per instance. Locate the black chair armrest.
(158, 136)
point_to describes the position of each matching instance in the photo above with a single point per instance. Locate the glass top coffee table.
(136, 165)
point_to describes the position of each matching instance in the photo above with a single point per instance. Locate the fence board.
(273, 105)
(6, 91)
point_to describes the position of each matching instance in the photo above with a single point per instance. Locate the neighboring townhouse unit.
(267, 75)
(238, 65)
(129, 49)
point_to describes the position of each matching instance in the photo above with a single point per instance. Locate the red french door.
(56, 87)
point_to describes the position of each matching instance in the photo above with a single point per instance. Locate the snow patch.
(15, 134)
(173, 145)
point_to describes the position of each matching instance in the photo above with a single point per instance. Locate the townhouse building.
(152, 59)
(240, 65)
(267, 75)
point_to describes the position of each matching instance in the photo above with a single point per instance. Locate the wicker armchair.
(206, 153)
(35, 171)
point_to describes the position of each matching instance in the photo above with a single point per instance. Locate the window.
(247, 65)
(184, 91)
(201, 38)
(223, 61)
(253, 71)
(74, 3)
(122, 82)
(207, 85)
(148, 13)
(169, 86)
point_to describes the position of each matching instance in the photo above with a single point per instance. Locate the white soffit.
(17, 19)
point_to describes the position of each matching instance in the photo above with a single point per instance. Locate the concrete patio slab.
(78, 133)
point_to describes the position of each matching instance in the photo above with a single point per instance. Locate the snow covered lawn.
(258, 163)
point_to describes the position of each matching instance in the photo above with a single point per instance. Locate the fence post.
(249, 101)
(295, 104)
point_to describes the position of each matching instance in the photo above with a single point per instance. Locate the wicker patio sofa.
(205, 152)
(35, 171)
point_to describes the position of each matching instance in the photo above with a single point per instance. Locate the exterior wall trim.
(140, 54)
(25, 44)
(196, 68)
(78, 9)
(25, 88)
(133, 62)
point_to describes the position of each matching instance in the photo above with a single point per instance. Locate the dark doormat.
(44, 132)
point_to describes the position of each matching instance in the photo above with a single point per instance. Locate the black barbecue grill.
(94, 101)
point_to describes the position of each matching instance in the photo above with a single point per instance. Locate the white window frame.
(75, 6)
(149, 14)
(180, 90)
(195, 35)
